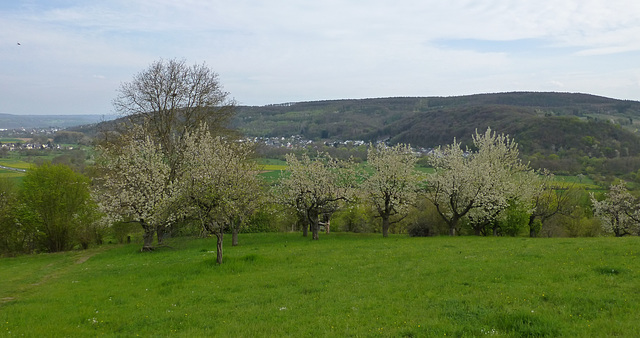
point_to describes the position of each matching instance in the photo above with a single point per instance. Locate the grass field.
(15, 163)
(13, 140)
(342, 285)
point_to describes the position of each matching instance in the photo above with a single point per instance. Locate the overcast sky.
(70, 56)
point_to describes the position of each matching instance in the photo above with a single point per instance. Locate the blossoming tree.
(218, 184)
(618, 211)
(315, 187)
(134, 185)
(480, 182)
(392, 185)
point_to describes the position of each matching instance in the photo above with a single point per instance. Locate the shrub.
(355, 218)
(261, 221)
(424, 220)
(514, 220)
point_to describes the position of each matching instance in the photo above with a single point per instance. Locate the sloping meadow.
(342, 285)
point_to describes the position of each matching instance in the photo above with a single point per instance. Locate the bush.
(121, 230)
(60, 202)
(424, 220)
(420, 229)
(260, 221)
(514, 221)
(354, 218)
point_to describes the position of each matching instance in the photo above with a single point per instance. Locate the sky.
(71, 56)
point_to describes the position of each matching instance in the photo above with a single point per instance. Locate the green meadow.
(281, 284)
(15, 162)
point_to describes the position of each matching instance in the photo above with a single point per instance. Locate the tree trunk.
(453, 223)
(326, 218)
(452, 226)
(234, 237)
(160, 232)
(315, 225)
(385, 225)
(305, 228)
(147, 237)
(219, 247)
(532, 230)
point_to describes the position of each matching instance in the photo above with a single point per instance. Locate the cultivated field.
(342, 285)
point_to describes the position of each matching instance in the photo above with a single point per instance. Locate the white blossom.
(478, 184)
(392, 186)
(618, 211)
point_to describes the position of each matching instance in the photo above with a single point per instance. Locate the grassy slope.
(342, 285)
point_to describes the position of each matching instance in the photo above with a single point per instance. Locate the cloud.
(290, 50)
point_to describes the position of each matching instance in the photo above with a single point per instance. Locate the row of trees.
(481, 186)
(173, 160)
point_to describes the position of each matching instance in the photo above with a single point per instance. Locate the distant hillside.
(9, 121)
(566, 133)
(540, 122)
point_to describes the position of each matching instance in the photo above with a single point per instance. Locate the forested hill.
(540, 122)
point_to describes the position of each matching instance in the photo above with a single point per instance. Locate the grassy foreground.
(343, 285)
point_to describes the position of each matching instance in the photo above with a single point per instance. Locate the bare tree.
(170, 99)
(392, 185)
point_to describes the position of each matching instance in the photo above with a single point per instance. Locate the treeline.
(173, 165)
(563, 132)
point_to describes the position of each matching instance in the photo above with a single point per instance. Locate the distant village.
(31, 146)
(32, 139)
(39, 139)
(298, 142)
(28, 132)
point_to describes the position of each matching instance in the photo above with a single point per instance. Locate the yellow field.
(273, 167)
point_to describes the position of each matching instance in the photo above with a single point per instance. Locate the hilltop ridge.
(431, 121)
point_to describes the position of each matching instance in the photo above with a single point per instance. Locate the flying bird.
(19, 44)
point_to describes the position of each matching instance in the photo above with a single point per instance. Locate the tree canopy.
(478, 183)
(393, 183)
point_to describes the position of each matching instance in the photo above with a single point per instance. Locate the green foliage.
(71, 137)
(578, 223)
(536, 226)
(121, 230)
(354, 218)
(13, 238)
(514, 220)
(424, 220)
(75, 159)
(354, 285)
(263, 220)
(59, 203)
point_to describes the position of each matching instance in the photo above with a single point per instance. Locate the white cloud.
(272, 51)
